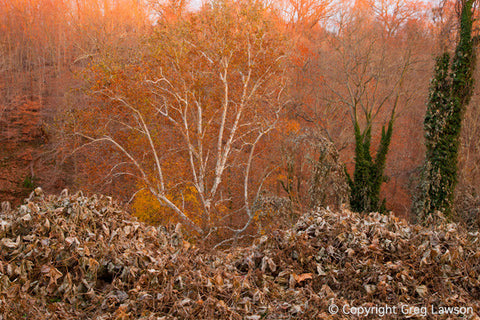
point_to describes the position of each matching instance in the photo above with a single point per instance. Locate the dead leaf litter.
(78, 257)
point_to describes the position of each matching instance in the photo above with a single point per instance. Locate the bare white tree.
(207, 93)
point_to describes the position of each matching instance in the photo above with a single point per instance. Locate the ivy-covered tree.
(368, 175)
(367, 78)
(450, 93)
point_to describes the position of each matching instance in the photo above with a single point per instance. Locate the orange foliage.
(188, 111)
(127, 51)
(147, 208)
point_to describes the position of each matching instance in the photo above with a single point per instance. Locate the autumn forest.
(230, 117)
(239, 159)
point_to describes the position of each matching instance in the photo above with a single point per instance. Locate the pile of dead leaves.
(77, 257)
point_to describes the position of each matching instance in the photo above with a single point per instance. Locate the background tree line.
(231, 117)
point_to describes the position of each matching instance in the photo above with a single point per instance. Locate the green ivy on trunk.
(450, 93)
